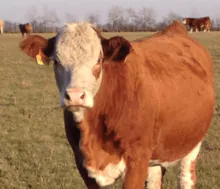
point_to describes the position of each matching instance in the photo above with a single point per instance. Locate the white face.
(184, 21)
(77, 52)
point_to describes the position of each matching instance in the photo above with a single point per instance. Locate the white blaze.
(109, 174)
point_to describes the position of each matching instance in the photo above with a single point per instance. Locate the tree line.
(119, 19)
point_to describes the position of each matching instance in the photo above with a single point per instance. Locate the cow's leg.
(187, 176)
(191, 30)
(155, 177)
(73, 136)
(137, 169)
(135, 177)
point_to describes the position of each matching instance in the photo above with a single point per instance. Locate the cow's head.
(184, 21)
(79, 52)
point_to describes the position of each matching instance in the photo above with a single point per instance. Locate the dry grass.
(34, 151)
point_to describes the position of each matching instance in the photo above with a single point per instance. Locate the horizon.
(80, 10)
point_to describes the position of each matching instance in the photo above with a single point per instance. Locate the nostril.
(67, 96)
(82, 96)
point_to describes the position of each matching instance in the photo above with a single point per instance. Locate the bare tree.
(146, 19)
(171, 17)
(130, 17)
(50, 19)
(10, 27)
(116, 18)
(93, 18)
(217, 23)
(70, 18)
(33, 17)
(45, 21)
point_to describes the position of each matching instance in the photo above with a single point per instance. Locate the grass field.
(34, 152)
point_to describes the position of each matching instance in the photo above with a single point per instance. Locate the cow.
(198, 24)
(25, 28)
(1, 26)
(131, 109)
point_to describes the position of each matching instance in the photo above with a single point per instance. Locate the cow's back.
(182, 72)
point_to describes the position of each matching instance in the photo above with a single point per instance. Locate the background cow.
(198, 24)
(25, 28)
(131, 105)
(1, 26)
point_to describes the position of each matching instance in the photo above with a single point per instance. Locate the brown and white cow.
(197, 24)
(131, 108)
(25, 28)
(1, 26)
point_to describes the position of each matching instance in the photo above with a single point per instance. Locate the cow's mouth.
(77, 111)
(74, 108)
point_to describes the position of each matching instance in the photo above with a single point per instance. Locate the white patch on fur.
(185, 176)
(77, 50)
(184, 21)
(154, 177)
(109, 174)
(77, 43)
(164, 164)
(78, 116)
(89, 99)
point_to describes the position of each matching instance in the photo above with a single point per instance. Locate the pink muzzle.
(76, 97)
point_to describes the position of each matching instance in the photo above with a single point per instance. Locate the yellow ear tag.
(39, 60)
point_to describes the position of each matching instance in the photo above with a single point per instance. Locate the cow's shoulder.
(176, 28)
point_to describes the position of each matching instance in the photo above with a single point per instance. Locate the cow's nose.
(75, 97)
(66, 96)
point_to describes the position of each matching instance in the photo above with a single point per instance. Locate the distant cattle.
(131, 108)
(1, 26)
(198, 24)
(25, 28)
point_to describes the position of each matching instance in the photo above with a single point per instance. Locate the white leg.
(1, 30)
(154, 179)
(191, 30)
(187, 176)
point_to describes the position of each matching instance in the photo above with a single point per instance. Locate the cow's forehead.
(77, 43)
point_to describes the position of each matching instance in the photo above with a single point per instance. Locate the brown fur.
(1, 25)
(116, 48)
(163, 68)
(199, 23)
(73, 136)
(25, 28)
(34, 44)
(155, 102)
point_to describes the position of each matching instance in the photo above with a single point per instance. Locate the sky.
(18, 10)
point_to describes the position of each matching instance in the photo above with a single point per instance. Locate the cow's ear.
(38, 47)
(116, 48)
